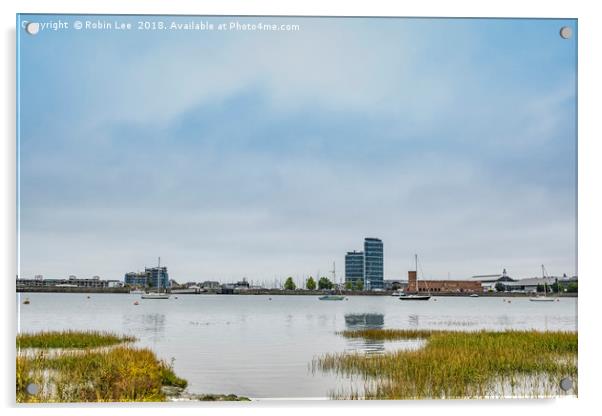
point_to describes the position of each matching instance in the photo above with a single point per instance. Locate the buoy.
(269, 298)
(88, 297)
(26, 302)
(509, 301)
(176, 297)
(136, 303)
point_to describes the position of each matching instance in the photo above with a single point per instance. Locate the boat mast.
(545, 284)
(425, 282)
(334, 273)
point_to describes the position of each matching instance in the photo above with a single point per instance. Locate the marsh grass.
(70, 339)
(117, 374)
(461, 364)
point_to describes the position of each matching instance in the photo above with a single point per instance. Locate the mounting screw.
(32, 388)
(566, 384)
(566, 32)
(32, 28)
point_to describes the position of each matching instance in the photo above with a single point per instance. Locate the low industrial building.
(441, 286)
(489, 281)
(94, 282)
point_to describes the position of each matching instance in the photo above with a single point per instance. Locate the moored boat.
(416, 296)
(333, 296)
(544, 297)
(155, 295)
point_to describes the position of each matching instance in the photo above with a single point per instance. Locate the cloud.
(264, 156)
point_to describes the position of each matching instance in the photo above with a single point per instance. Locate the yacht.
(415, 296)
(155, 295)
(544, 297)
(333, 296)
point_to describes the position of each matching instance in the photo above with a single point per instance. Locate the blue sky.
(268, 154)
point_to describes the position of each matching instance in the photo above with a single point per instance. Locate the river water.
(262, 346)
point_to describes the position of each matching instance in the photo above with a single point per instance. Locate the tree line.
(323, 283)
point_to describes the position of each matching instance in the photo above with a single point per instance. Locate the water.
(261, 348)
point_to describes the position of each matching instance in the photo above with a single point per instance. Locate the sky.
(265, 154)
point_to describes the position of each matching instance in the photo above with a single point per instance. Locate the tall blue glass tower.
(373, 264)
(354, 267)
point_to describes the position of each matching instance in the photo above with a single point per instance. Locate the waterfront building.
(489, 281)
(136, 279)
(441, 286)
(211, 284)
(354, 267)
(154, 277)
(373, 264)
(94, 282)
(158, 277)
(395, 284)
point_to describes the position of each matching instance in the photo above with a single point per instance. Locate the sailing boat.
(544, 298)
(158, 294)
(416, 296)
(333, 296)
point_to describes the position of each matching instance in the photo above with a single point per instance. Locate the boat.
(544, 297)
(474, 295)
(333, 296)
(26, 301)
(137, 292)
(415, 296)
(155, 295)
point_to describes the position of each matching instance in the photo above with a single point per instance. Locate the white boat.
(137, 292)
(155, 295)
(544, 297)
(474, 295)
(541, 299)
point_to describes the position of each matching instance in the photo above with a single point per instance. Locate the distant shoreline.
(274, 292)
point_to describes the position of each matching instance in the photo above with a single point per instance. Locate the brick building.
(442, 286)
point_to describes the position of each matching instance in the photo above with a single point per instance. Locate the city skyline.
(274, 156)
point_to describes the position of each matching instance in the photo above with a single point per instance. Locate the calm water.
(261, 348)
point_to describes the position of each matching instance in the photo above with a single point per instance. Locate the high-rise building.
(373, 264)
(354, 267)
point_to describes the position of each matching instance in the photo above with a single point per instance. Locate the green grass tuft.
(83, 373)
(461, 364)
(70, 339)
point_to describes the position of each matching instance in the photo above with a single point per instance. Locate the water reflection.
(365, 321)
(151, 325)
(413, 320)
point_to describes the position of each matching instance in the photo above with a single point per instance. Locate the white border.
(590, 269)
